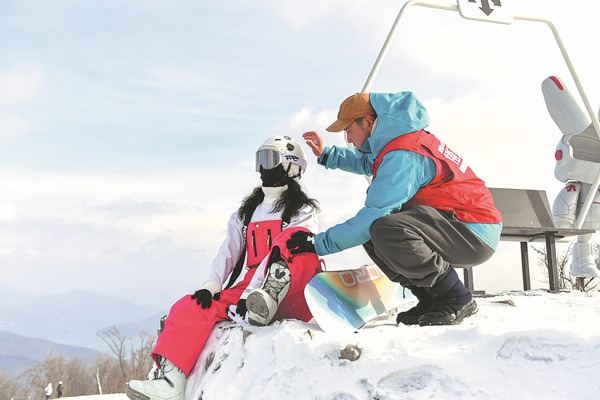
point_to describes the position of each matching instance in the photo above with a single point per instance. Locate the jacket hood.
(397, 114)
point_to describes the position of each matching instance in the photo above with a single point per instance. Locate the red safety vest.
(455, 186)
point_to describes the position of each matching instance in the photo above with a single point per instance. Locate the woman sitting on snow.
(271, 283)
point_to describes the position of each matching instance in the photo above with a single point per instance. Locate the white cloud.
(7, 212)
(365, 25)
(166, 77)
(21, 83)
(82, 215)
(306, 119)
(299, 14)
(13, 126)
(30, 252)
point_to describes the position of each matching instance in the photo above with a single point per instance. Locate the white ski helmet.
(282, 150)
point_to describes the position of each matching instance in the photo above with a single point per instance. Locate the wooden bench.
(527, 218)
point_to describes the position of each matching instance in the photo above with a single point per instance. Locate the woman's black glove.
(301, 242)
(241, 308)
(237, 313)
(204, 297)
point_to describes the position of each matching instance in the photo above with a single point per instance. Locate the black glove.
(241, 307)
(301, 242)
(204, 297)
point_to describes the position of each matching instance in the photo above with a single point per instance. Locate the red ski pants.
(188, 325)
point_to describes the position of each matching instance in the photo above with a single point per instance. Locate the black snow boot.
(453, 302)
(411, 316)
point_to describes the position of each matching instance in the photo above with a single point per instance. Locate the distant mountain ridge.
(17, 353)
(73, 318)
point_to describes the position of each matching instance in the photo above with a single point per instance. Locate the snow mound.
(520, 345)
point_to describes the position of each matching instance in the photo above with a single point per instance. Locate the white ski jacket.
(232, 247)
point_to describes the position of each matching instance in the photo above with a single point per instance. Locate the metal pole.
(390, 37)
(388, 41)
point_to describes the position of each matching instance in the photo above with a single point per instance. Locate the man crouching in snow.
(268, 286)
(425, 213)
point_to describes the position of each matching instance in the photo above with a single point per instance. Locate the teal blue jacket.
(401, 174)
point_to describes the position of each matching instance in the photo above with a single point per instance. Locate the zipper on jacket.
(269, 238)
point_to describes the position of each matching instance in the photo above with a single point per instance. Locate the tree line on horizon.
(128, 358)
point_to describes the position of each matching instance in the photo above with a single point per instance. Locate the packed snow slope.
(520, 345)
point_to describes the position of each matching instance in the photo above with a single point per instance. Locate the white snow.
(520, 345)
(119, 396)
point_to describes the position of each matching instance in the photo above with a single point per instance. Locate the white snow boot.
(168, 384)
(583, 264)
(262, 303)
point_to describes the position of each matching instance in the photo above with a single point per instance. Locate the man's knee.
(390, 226)
(378, 228)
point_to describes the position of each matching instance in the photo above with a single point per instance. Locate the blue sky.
(128, 128)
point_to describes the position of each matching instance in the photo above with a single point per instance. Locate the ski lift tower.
(499, 12)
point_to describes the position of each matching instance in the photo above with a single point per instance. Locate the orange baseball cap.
(356, 106)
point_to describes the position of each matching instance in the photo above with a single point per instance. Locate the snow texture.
(520, 345)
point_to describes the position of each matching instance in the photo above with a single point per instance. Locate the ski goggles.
(270, 158)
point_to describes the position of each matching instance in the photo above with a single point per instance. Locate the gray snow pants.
(416, 246)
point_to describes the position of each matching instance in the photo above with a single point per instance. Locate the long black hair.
(291, 201)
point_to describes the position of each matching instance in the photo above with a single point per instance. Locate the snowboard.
(347, 300)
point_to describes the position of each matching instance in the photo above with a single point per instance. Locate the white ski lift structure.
(495, 11)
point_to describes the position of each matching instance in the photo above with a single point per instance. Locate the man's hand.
(204, 297)
(315, 142)
(301, 242)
